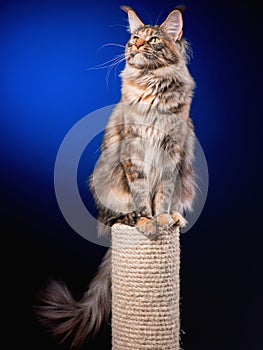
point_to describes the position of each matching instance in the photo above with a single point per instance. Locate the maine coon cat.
(144, 175)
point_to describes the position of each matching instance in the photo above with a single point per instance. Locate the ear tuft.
(134, 20)
(173, 25)
(181, 8)
(126, 8)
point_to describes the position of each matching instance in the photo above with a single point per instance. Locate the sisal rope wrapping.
(145, 290)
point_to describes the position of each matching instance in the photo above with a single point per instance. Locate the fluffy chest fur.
(155, 137)
(164, 89)
(156, 116)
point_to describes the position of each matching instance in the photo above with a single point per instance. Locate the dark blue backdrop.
(47, 48)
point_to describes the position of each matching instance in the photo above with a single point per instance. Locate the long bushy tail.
(70, 320)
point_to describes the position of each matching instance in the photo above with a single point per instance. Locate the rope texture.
(145, 290)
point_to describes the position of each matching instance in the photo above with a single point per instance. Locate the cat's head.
(151, 47)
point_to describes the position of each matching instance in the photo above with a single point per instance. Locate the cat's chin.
(138, 60)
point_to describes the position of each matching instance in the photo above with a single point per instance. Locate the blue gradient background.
(47, 48)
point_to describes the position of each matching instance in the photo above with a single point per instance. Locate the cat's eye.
(154, 40)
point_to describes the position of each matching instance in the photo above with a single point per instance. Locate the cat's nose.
(140, 42)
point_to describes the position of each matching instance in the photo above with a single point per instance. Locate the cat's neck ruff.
(131, 72)
(164, 88)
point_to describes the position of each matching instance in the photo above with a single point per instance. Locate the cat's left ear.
(173, 25)
(134, 21)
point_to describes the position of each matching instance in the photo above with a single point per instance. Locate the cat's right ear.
(134, 21)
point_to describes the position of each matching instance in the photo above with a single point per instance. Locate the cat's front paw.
(164, 220)
(179, 220)
(147, 227)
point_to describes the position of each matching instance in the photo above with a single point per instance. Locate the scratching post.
(145, 290)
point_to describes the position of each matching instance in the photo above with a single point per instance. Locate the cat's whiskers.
(110, 44)
(157, 20)
(114, 64)
(118, 25)
(107, 63)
